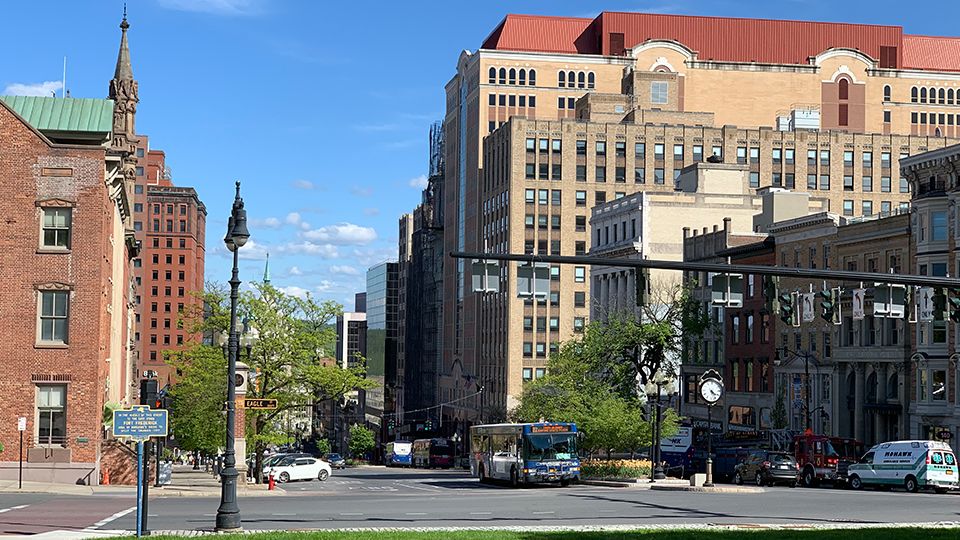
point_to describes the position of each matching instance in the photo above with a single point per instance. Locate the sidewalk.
(185, 482)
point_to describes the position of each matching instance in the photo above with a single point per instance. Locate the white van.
(911, 464)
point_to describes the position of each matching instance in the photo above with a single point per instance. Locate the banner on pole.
(809, 313)
(857, 300)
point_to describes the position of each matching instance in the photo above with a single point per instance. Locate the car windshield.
(828, 450)
(550, 446)
(272, 460)
(286, 461)
(781, 458)
(333, 457)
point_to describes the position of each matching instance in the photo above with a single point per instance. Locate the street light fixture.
(228, 514)
(654, 388)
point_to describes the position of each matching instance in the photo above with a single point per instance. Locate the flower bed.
(615, 469)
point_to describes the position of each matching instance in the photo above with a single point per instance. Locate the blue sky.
(321, 109)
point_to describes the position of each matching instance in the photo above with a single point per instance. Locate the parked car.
(911, 464)
(298, 468)
(765, 467)
(273, 459)
(335, 460)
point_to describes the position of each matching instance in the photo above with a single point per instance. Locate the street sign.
(857, 304)
(925, 300)
(139, 423)
(945, 435)
(22, 423)
(253, 403)
(809, 313)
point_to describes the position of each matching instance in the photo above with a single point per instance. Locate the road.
(377, 497)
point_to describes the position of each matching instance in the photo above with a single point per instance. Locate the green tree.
(197, 418)
(361, 440)
(323, 446)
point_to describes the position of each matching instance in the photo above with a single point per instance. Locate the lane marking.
(480, 513)
(415, 514)
(544, 512)
(108, 519)
(351, 513)
(2, 510)
(422, 488)
(283, 514)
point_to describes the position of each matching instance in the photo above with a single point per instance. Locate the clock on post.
(711, 390)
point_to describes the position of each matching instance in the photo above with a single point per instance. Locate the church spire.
(124, 69)
(266, 270)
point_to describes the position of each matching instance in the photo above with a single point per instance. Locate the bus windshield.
(545, 446)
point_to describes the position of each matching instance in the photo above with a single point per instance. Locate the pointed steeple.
(266, 270)
(124, 69)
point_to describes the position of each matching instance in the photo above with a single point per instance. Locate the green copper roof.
(64, 115)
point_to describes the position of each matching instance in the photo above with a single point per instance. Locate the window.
(754, 155)
(639, 150)
(843, 114)
(581, 197)
(578, 323)
(579, 299)
(678, 152)
(579, 274)
(735, 329)
(528, 372)
(825, 157)
(697, 152)
(904, 186)
(848, 207)
(847, 158)
(581, 173)
(843, 89)
(886, 117)
(600, 197)
(867, 208)
(581, 148)
(658, 151)
(620, 174)
(658, 176)
(601, 173)
(601, 148)
(544, 171)
(812, 158)
(741, 154)
(51, 414)
(591, 80)
(54, 316)
(717, 151)
(811, 181)
(581, 223)
(938, 226)
(825, 182)
(530, 194)
(555, 223)
(532, 80)
(754, 179)
(939, 389)
(748, 337)
(639, 175)
(528, 323)
(659, 92)
(138, 189)
(620, 149)
(56, 227)
(790, 181)
(527, 349)
(867, 184)
(886, 92)
(531, 144)
(542, 221)
(885, 184)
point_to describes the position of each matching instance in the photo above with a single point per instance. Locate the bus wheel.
(514, 478)
(910, 484)
(855, 482)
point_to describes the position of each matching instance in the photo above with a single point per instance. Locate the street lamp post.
(228, 514)
(659, 382)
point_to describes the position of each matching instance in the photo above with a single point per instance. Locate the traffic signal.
(770, 286)
(788, 311)
(428, 425)
(148, 391)
(391, 424)
(641, 279)
(831, 306)
(954, 301)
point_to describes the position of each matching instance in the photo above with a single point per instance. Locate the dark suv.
(765, 467)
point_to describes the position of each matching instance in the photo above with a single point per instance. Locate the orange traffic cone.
(106, 477)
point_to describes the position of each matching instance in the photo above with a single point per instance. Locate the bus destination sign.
(549, 428)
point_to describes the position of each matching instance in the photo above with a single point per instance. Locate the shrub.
(615, 468)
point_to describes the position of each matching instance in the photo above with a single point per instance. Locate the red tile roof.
(931, 53)
(722, 38)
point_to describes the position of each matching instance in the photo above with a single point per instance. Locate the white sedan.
(299, 468)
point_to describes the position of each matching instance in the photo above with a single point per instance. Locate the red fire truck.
(824, 459)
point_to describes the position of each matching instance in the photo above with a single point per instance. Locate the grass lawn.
(820, 534)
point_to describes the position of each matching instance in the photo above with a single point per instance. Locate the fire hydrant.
(271, 484)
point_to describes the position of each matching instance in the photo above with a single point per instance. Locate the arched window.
(941, 96)
(493, 75)
(932, 95)
(591, 80)
(893, 387)
(581, 80)
(937, 133)
(886, 92)
(562, 79)
(950, 96)
(913, 94)
(533, 77)
(513, 76)
(503, 76)
(571, 79)
(844, 89)
(923, 95)
(523, 77)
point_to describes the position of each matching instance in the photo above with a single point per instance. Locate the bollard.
(270, 482)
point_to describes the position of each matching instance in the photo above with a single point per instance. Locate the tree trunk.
(259, 447)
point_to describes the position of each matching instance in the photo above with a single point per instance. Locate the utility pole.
(806, 374)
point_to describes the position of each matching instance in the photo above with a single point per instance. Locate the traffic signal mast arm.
(721, 268)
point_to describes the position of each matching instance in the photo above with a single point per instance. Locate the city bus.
(399, 453)
(525, 453)
(431, 453)
(678, 451)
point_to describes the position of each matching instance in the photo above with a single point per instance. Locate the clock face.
(238, 380)
(711, 390)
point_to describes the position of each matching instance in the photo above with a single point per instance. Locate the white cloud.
(371, 211)
(251, 251)
(295, 271)
(370, 256)
(324, 251)
(216, 7)
(345, 270)
(361, 191)
(419, 182)
(267, 223)
(44, 89)
(343, 234)
(294, 218)
(303, 184)
(293, 290)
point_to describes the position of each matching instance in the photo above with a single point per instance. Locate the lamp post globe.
(228, 513)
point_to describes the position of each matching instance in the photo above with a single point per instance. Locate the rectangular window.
(825, 158)
(790, 181)
(601, 148)
(658, 151)
(848, 158)
(640, 150)
(581, 148)
(754, 155)
(620, 149)
(658, 176)
(885, 184)
(600, 197)
(138, 189)
(530, 195)
(581, 198)
(579, 299)
(847, 183)
(555, 146)
(885, 207)
(54, 316)
(659, 92)
(811, 181)
(867, 184)
(555, 197)
(848, 207)
(776, 180)
(581, 173)
(581, 223)
(754, 179)
(579, 274)
(56, 227)
(531, 143)
(938, 226)
(825, 182)
(717, 151)
(543, 145)
(885, 160)
(697, 152)
(528, 221)
(544, 170)
(601, 173)
(904, 186)
(678, 152)
(578, 323)
(639, 175)
(868, 160)
(741, 154)
(777, 156)
(51, 414)
(867, 207)
(620, 174)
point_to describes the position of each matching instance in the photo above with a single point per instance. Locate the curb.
(715, 489)
(635, 484)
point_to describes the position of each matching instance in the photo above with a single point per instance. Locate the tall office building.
(630, 97)
(382, 333)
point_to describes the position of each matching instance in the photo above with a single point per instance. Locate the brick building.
(633, 98)
(65, 263)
